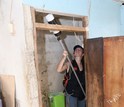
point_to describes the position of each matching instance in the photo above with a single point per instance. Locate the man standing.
(74, 94)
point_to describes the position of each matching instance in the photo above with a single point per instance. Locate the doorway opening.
(48, 51)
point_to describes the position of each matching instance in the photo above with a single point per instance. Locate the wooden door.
(113, 72)
(94, 72)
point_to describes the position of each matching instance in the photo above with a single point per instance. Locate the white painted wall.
(122, 20)
(66, 6)
(104, 15)
(12, 48)
(104, 19)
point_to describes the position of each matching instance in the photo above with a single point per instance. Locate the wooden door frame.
(42, 26)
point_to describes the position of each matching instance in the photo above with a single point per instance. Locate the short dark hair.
(78, 46)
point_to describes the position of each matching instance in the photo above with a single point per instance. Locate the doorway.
(48, 51)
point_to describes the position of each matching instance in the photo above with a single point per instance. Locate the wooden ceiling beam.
(43, 26)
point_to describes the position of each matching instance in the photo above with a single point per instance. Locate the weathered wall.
(14, 56)
(30, 73)
(17, 53)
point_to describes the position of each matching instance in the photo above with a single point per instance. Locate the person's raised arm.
(62, 66)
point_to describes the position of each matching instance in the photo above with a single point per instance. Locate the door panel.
(114, 72)
(94, 72)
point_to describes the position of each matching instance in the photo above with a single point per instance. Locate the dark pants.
(74, 102)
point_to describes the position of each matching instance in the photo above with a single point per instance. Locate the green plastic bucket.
(57, 99)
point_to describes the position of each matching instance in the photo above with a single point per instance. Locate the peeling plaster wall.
(30, 73)
(13, 53)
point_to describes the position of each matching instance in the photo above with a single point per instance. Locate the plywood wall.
(114, 72)
(105, 80)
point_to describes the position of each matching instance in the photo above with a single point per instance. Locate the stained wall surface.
(14, 56)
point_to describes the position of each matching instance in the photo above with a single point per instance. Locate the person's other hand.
(65, 53)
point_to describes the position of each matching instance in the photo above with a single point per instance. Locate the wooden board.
(94, 72)
(7, 84)
(114, 72)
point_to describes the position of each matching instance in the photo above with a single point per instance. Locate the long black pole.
(72, 68)
(51, 20)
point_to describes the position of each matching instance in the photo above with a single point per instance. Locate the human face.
(78, 52)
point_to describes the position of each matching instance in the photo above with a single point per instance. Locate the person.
(74, 94)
